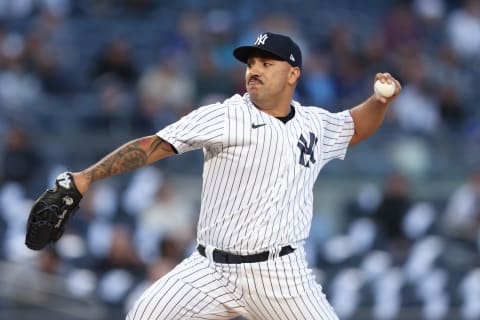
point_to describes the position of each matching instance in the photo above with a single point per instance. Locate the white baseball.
(384, 89)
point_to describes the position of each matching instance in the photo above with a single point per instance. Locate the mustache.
(255, 78)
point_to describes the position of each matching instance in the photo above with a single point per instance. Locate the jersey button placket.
(285, 160)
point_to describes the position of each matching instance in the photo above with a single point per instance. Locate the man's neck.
(275, 110)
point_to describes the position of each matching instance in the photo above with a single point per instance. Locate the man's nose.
(254, 69)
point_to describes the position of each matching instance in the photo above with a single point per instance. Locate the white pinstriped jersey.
(259, 172)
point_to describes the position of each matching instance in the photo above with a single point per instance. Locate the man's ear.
(294, 75)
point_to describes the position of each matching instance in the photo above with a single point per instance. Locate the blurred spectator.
(19, 88)
(14, 9)
(102, 204)
(455, 87)
(116, 60)
(461, 27)
(452, 112)
(209, 80)
(170, 215)
(49, 51)
(416, 109)
(170, 255)
(348, 69)
(341, 40)
(59, 8)
(114, 106)
(155, 271)
(431, 14)
(53, 78)
(32, 281)
(317, 81)
(185, 41)
(390, 213)
(430, 10)
(188, 30)
(142, 189)
(119, 267)
(375, 55)
(50, 262)
(21, 160)
(121, 253)
(350, 82)
(173, 250)
(218, 25)
(53, 33)
(166, 91)
(402, 30)
(14, 207)
(462, 213)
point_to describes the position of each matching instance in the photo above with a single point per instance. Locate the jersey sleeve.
(200, 128)
(338, 129)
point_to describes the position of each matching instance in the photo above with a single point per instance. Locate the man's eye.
(266, 64)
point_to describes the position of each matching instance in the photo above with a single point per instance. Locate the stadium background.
(396, 229)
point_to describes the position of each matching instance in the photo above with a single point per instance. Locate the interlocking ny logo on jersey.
(306, 150)
(261, 39)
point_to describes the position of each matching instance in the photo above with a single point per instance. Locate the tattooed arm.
(130, 156)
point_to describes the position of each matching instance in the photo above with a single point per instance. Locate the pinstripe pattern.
(257, 195)
(195, 289)
(278, 289)
(284, 288)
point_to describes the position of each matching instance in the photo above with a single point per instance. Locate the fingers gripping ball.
(384, 89)
(51, 211)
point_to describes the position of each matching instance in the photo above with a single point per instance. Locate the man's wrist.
(82, 181)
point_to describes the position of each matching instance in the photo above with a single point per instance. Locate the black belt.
(220, 256)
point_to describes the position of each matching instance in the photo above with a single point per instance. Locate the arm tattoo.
(160, 143)
(126, 158)
(130, 156)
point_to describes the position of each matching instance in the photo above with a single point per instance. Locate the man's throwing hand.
(386, 87)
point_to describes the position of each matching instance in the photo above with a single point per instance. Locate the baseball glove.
(50, 213)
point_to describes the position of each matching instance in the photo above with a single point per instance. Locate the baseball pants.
(282, 288)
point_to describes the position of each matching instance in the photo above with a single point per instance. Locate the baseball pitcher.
(263, 152)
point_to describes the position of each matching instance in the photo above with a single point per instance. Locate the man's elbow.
(359, 136)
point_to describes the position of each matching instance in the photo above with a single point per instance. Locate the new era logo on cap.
(280, 46)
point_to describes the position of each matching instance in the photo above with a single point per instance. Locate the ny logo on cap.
(261, 39)
(292, 58)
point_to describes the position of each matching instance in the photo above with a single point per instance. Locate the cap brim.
(243, 53)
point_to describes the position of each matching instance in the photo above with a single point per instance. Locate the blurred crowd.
(77, 78)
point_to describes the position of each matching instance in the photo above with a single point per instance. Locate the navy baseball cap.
(280, 46)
